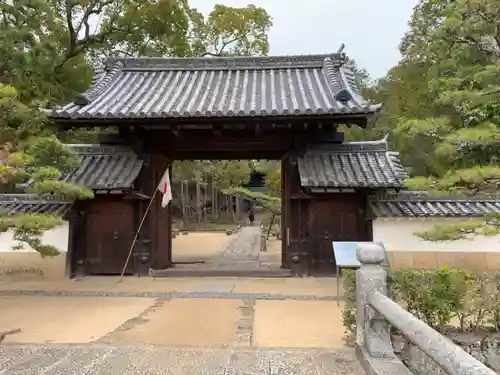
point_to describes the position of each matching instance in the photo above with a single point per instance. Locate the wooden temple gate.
(276, 108)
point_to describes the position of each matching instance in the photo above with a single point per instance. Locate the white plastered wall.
(397, 234)
(27, 263)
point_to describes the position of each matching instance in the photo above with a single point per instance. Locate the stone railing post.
(373, 331)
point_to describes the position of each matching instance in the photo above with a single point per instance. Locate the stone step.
(221, 272)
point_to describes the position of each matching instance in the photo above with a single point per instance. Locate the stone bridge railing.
(429, 351)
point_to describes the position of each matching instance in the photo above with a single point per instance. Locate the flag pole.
(137, 232)
(167, 171)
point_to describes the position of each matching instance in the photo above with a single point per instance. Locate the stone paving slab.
(99, 359)
(200, 322)
(66, 319)
(298, 324)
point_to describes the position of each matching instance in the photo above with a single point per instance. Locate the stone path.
(242, 253)
(98, 359)
(244, 247)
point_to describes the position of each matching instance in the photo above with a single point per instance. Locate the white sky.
(370, 29)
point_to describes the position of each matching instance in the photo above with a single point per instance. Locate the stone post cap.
(370, 253)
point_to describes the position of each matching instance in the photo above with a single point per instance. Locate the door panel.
(109, 236)
(334, 218)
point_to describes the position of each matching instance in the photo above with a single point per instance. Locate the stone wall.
(409, 251)
(27, 263)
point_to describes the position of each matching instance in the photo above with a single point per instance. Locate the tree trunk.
(215, 205)
(198, 202)
(270, 226)
(227, 212)
(183, 199)
(238, 208)
(233, 208)
(205, 200)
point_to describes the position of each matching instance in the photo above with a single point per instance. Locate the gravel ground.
(98, 359)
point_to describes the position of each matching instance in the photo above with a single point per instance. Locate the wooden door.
(336, 217)
(110, 232)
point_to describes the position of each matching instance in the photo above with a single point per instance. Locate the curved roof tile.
(220, 87)
(351, 165)
(417, 205)
(105, 167)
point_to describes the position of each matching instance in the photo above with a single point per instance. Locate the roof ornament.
(343, 95)
(343, 57)
(386, 137)
(100, 83)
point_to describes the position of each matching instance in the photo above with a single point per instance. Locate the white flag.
(165, 189)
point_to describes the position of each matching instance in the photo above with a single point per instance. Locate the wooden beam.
(270, 122)
(227, 155)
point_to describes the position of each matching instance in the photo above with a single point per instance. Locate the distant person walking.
(251, 217)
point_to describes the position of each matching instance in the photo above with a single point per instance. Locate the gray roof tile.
(220, 87)
(105, 167)
(407, 205)
(351, 165)
(12, 204)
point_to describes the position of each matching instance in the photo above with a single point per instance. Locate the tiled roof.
(105, 167)
(12, 204)
(405, 205)
(351, 165)
(220, 87)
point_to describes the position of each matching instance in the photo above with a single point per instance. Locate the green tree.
(229, 31)
(50, 47)
(459, 41)
(31, 155)
(272, 171)
(229, 173)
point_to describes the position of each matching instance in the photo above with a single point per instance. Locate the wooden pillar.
(71, 253)
(285, 212)
(368, 217)
(77, 240)
(160, 217)
(146, 186)
(294, 220)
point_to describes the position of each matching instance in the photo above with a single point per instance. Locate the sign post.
(345, 257)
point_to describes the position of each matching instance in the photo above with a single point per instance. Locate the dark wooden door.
(110, 232)
(336, 217)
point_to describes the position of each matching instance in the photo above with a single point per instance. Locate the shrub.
(436, 297)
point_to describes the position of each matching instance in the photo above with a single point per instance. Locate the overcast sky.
(371, 30)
